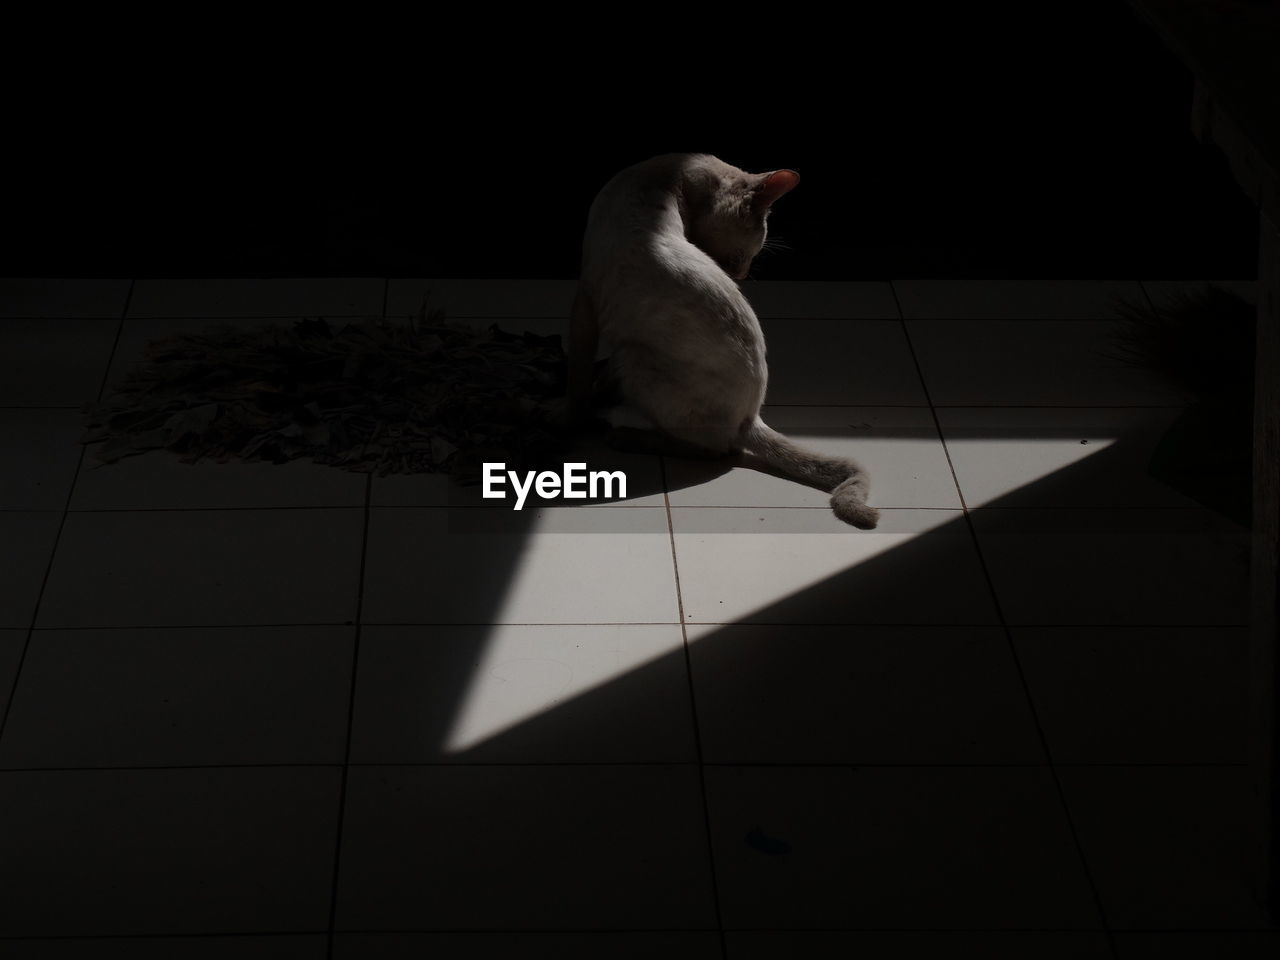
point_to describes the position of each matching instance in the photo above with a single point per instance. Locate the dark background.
(1045, 141)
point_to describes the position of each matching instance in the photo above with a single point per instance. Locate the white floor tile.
(290, 947)
(177, 697)
(40, 451)
(12, 643)
(523, 694)
(805, 566)
(816, 299)
(1041, 363)
(159, 480)
(840, 362)
(301, 297)
(1194, 944)
(1013, 299)
(895, 848)
(851, 695)
(529, 945)
(1139, 694)
(1120, 567)
(205, 568)
(1046, 457)
(532, 847)
(898, 446)
(483, 298)
(554, 298)
(28, 539)
(54, 362)
(558, 565)
(63, 298)
(986, 945)
(232, 849)
(1167, 846)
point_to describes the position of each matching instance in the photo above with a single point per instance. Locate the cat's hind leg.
(633, 431)
(626, 416)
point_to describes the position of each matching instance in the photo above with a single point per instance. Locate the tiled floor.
(266, 711)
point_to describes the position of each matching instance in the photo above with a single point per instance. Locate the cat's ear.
(773, 186)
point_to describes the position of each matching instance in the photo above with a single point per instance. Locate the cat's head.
(725, 210)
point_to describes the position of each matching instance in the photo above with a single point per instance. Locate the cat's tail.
(846, 481)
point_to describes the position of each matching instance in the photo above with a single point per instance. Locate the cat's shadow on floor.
(699, 467)
(644, 460)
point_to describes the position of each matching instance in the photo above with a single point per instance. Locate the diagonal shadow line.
(920, 575)
(940, 566)
(934, 577)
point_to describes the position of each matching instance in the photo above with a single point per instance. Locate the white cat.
(684, 353)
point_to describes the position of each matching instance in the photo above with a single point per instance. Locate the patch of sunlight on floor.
(539, 658)
(526, 670)
(733, 563)
(990, 467)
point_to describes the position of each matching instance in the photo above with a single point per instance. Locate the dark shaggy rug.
(427, 395)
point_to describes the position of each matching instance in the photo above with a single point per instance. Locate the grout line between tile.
(237, 317)
(987, 405)
(39, 406)
(903, 624)
(351, 708)
(753, 764)
(597, 931)
(62, 523)
(840, 404)
(621, 506)
(197, 935)
(693, 717)
(1013, 652)
(833, 405)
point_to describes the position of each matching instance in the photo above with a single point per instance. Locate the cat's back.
(656, 294)
(635, 239)
(633, 209)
